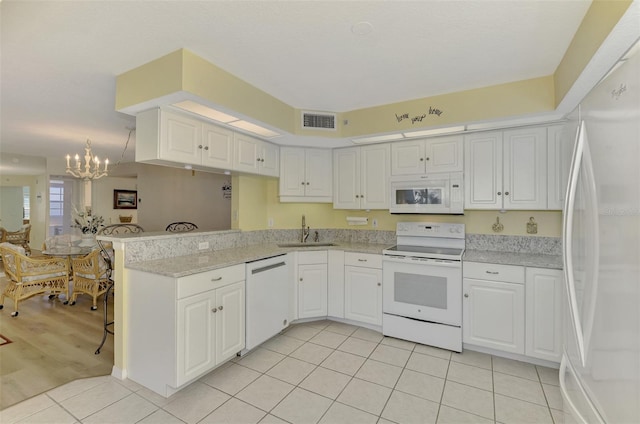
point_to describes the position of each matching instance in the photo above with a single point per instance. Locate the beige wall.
(38, 192)
(102, 198)
(257, 203)
(171, 194)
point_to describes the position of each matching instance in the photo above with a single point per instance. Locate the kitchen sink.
(312, 244)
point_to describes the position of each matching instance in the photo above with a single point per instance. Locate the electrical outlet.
(374, 223)
(203, 245)
(270, 223)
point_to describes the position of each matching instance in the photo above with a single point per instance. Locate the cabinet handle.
(466, 295)
(214, 310)
(499, 193)
(362, 196)
(216, 279)
(302, 183)
(427, 157)
(492, 272)
(199, 146)
(362, 260)
(219, 308)
(357, 196)
(206, 147)
(307, 183)
(300, 278)
(421, 159)
(379, 284)
(506, 193)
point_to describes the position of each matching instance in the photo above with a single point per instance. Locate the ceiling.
(60, 58)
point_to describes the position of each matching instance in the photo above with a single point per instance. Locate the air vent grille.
(321, 121)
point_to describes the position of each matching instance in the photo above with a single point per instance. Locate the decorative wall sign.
(418, 117)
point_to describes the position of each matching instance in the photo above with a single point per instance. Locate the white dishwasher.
(267, 299)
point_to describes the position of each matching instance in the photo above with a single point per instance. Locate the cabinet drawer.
(493, 272)
(367, 260)
(209, 280)
(315, 257)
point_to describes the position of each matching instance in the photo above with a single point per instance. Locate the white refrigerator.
(600, 369)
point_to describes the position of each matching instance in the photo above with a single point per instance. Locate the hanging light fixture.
(87, 174)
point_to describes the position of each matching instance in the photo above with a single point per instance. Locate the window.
(26, 203)
(56, 198)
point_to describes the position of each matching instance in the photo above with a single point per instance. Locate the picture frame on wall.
(125, 199)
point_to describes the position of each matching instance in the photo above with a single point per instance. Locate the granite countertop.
(181, 266)
(537, 260)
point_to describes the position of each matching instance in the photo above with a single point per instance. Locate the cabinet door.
(559, 150)
(544, 302)
(363, 294)
(525, 169)
(444, 154)
(180, 138)
(247, 154)
(318, 175)
(195, 336)
(230, 320)
(346, 178)
(269, 159)
(483, 171)
(375, 169)
(292, 171)
(408, 157)
(493, 315)
(312, 290)
(217, 150)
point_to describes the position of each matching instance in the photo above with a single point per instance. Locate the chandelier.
(88, 173)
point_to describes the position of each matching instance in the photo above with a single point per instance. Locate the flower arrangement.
(88, 224)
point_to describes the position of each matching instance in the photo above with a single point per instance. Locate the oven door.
(424, 289)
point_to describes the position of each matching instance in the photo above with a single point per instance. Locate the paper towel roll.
(356, 220)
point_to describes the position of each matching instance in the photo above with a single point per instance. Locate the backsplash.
(151, 247)
(514, 244)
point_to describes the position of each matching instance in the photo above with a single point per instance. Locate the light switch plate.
(203, 245)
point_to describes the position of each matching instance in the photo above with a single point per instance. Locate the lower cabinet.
(513, 309)
(363, 288)
(182, 328)
(312, 284)
(544, 306)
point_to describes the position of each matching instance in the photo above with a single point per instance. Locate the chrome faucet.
(305, 230)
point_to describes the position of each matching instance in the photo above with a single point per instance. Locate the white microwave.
(439, 193)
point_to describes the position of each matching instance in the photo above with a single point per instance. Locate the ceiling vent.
(319, 121)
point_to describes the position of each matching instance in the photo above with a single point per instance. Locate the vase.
(87, 240)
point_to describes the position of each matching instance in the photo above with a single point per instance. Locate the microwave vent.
(319, 121)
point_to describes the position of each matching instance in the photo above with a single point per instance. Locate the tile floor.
(321, 372)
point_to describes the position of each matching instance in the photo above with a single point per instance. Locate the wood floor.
(52, 344)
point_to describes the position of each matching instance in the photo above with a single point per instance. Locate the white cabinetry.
(559, 151)
(305, 175)
(256, 156)
(181, 328)
(335, 284)
(170, 138)
(442, 154)
(363, 287)
(506, 170)
(361, 177)
(544, 305)
(312, 284)
(493, 306)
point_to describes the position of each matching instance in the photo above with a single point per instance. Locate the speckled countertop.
(182, 266)
(537, 260)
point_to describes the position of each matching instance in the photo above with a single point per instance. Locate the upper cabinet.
(559, 150)
(442, 154)
(361, 177)
(506, 169)
(256, 156)
(305, 175)
(166, 137)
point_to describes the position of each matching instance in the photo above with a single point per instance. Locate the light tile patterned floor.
(321, 372)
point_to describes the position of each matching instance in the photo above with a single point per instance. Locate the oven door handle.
(421, 261)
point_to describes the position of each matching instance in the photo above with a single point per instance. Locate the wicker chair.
(20, 237)
(90, 277)
(181, 227)
(32, 276)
